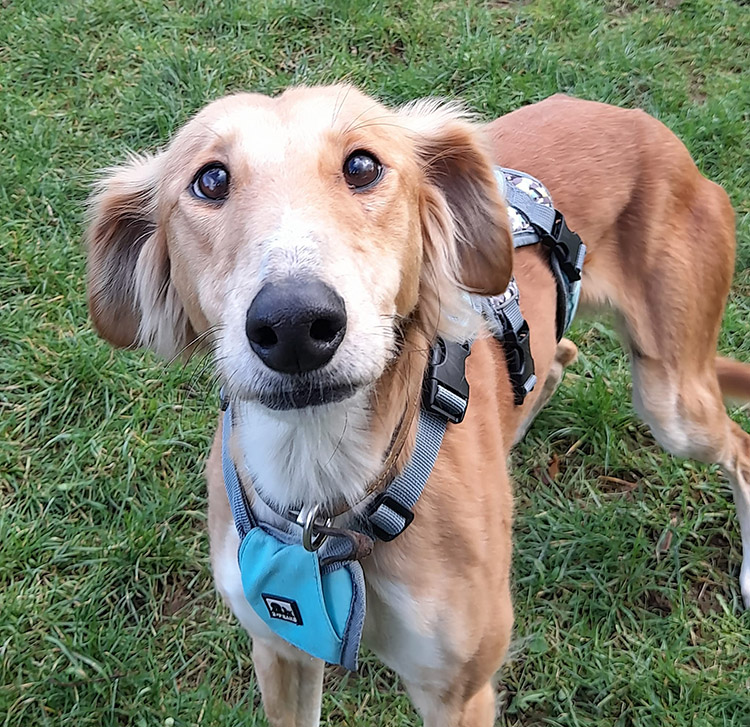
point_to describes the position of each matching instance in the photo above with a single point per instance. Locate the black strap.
(567, 252)
(512, 331)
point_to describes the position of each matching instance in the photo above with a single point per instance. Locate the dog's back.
(661, 250)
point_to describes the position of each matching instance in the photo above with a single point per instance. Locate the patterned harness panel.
(519, 223)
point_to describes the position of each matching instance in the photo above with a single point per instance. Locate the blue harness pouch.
(320, 611)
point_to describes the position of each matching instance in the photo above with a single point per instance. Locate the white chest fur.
(310, 456)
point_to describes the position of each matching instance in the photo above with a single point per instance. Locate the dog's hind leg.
(451, 709)
(687, 417)
(669, 283)
(666, 267)
(291, 688)
(737, 468)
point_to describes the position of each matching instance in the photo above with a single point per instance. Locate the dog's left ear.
(132, 299)
(464, 217)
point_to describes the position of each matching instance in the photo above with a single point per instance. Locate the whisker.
(341, 439)
(360, 115)
(196, 340)
(338, 106)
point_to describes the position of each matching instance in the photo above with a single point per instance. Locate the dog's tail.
(734, 379)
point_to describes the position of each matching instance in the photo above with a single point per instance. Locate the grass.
(626, 564)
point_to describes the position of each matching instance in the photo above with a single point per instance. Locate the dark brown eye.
(362, 170)
(212, 182)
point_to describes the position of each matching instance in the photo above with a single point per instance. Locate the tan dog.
(382, 218)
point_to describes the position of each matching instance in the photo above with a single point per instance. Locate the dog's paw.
(566, 353)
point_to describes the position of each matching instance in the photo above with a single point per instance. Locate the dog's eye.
(212, 182)
(362, 170)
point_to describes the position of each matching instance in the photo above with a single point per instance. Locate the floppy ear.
(464, 217)
(132, 301)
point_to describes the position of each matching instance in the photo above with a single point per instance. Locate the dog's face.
(298, 233)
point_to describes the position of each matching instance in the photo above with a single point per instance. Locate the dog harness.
(534, 220)
(301, 578)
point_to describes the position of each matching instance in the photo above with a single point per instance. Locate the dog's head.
(299, 234)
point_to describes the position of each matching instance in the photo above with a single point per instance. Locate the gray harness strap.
(509, 327)
(539, 215)
(392, 511)
(535, 220)
(244, 520)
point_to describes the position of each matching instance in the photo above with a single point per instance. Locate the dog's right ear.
(121, 224)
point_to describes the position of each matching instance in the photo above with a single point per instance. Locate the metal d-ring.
(308, 518)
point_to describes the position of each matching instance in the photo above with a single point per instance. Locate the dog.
(319, 243)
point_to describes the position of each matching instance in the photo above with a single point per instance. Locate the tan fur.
(164, 266)
(734, 379)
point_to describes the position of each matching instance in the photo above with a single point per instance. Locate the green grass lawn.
(627, 601)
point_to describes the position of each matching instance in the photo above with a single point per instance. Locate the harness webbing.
(542, 223)
(538, 214)
(241, 512)
(392, 511)
(509, 327)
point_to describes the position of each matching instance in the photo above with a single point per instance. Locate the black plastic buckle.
(384, 499)
(520, 361)
(564, 244)
(447, 369)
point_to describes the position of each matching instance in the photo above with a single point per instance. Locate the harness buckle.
(446, 390)
(565, 245)
(308, 518)
(385, 500)
(517, 346)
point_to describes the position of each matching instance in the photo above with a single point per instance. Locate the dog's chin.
(303, 395)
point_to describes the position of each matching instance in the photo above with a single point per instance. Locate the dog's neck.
(329, 455)
(320, 455)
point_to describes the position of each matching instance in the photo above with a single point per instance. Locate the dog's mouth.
(279, 391)
(300, 393)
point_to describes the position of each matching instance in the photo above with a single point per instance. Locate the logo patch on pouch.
(282, 608)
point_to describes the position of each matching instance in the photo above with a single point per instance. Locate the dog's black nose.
(296, 325)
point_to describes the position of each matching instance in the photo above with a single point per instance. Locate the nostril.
(325, 329)
(264, 336)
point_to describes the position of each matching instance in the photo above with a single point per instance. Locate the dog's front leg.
(291, 685)
(291, 682)
(565, 354)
